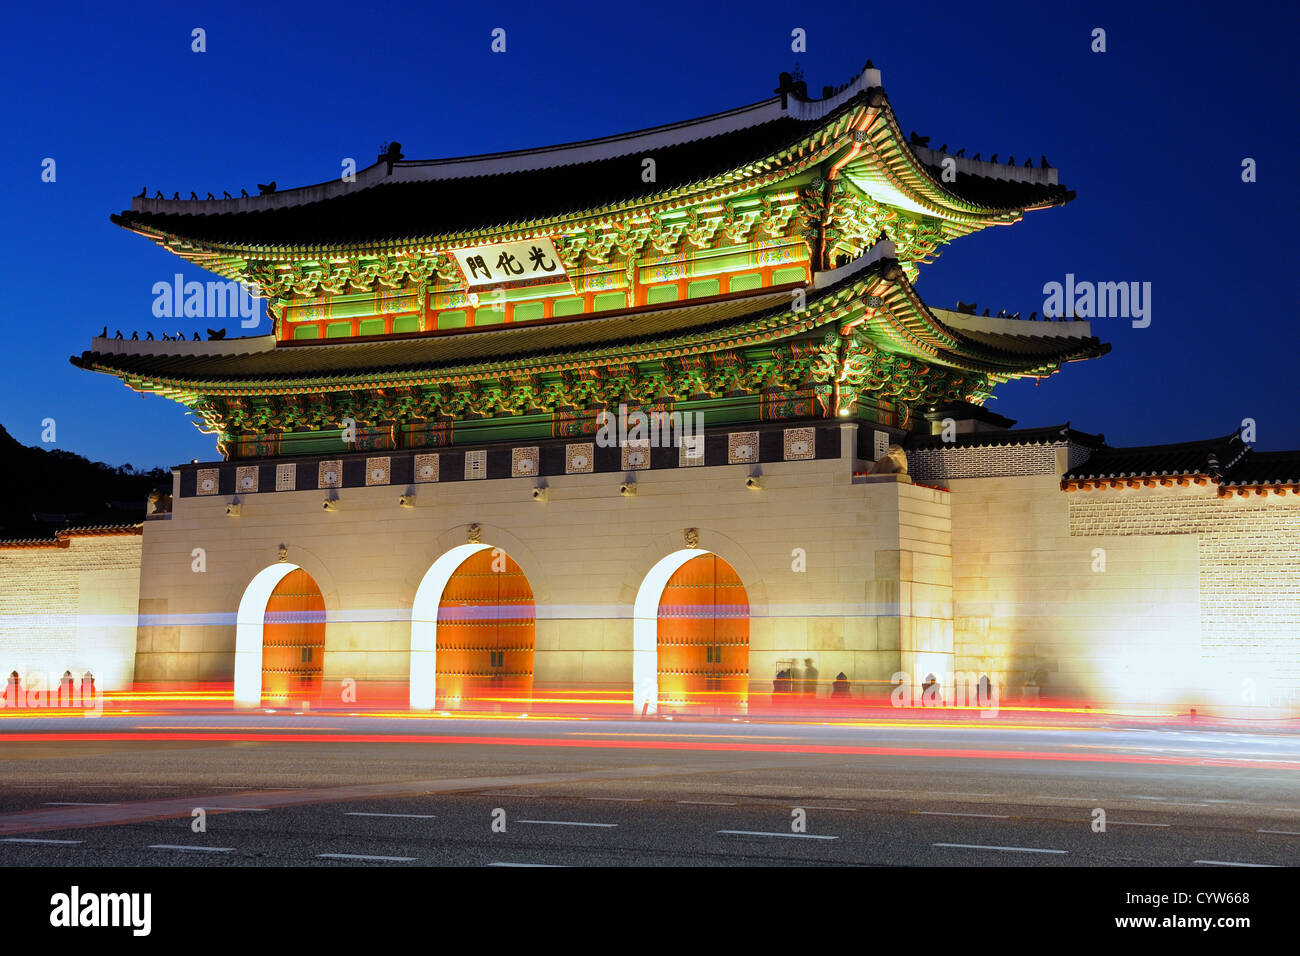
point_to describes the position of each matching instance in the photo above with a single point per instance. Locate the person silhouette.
(841, 686)
(810, 675)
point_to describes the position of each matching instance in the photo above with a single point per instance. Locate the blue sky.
(1151, 134)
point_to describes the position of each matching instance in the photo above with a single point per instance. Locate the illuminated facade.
(467, 454)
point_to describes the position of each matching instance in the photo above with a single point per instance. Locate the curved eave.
(889, 160)
(908, 323)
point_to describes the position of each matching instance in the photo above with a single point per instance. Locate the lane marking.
(364, 856)
(802, 836)
(74, 803)
(240, 809)
(1230, 863)
(1283, 832)
(841, 809)
(558, 866)
(618, 799)
(407, 816)
(567, 823)
(1129, 823)
(1009, 849)
(944, 813)
(495, 793)
(194, 849)
(63, 818)
(35, 840)
(707, 803)
(1045, 796)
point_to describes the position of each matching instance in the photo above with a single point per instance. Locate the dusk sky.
(1151, 134)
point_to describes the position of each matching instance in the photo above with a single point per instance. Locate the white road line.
(567, 823)
(942, 813)
(1283, 832)
(618, 799)
(1171, 803)
(552, 865)
(1128, 823)
(1048, 796)
(196, 849)
(240, 809)
(841, 809)
(496, 793)
(35, 840)
(803, 836)
(1229, 863)
(73, 803)
(364, 856)
(707, 803)
(1009, 849)
(407, 816)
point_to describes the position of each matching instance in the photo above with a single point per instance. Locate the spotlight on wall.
(540, 494)
(233, 509)
(754, 483)
(406, 501)
(627, 489)
(330, 504)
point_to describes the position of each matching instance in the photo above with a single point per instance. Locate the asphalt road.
(361, 791)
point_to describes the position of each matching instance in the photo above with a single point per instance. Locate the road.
(338, 790)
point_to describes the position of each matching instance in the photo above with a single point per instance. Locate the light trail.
(665, 745)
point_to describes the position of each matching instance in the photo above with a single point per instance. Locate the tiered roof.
(820, 210)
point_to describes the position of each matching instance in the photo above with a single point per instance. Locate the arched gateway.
(472, 631)
(279, 637)
(691, 635)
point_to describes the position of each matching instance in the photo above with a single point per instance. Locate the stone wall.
(817, 552)
(1248, 578)
(1164, 598)
(72, 608)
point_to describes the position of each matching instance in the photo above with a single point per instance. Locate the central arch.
(472, 629)
(670, 617)
(293, 639)
(250, 621)
(703, 635)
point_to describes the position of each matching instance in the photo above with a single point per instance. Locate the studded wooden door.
(486, 627)
(703, 635)
(293, 639)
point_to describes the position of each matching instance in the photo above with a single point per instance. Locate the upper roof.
(399, 201)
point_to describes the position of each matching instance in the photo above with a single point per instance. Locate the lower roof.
(906, 325)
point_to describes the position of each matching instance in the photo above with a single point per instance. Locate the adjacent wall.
(71, 606)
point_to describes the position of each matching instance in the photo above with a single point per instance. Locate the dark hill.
(43, 491)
